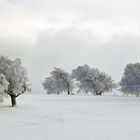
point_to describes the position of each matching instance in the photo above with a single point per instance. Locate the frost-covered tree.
(85, 75)
(15, 76)
(92, 80)
(63, 80)
(105, 82)
(50, 85)
(60, 81)
(130, 82)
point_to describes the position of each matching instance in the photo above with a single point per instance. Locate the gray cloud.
(69, 47)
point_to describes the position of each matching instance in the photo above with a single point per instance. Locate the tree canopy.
(59, 81)
(92, 80)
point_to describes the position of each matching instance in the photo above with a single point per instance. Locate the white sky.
(67, 33)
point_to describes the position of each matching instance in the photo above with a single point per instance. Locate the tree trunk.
(57, 92)
(137, 94)
(13, 100)
(100, 93)
(68, 92)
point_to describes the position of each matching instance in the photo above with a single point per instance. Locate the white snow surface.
(53, 117)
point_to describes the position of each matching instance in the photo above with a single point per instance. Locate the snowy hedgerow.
(13, 78)
(130, 82)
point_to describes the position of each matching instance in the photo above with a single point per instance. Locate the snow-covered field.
(43, 117)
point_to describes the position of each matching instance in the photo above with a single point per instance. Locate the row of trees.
(14, 80)
(88, 79)
(84, 78)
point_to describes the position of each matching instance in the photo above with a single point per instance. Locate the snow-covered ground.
(43, 117)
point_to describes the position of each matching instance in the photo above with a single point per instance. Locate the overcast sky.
(66, 33)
